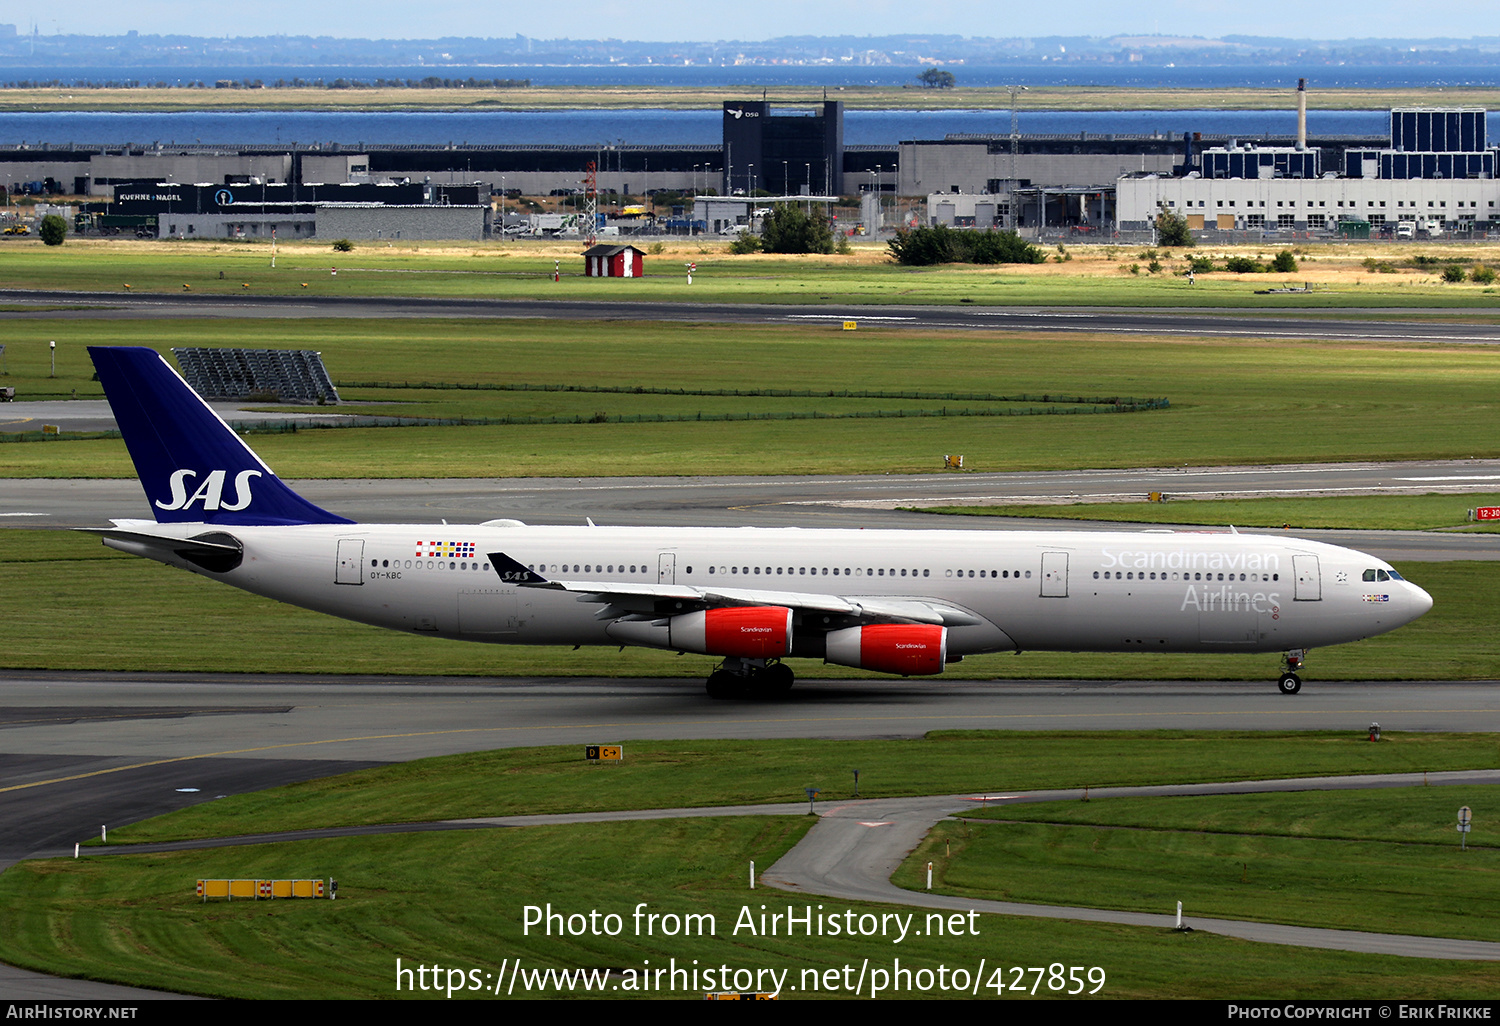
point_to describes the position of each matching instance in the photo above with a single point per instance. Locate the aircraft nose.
(1418, 601)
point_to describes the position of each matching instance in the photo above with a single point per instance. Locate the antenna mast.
(591, 204)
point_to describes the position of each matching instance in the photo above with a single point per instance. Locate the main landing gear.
(738, 677)
(1290, 683)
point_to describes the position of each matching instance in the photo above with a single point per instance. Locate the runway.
(819, 501)
(1452, 327)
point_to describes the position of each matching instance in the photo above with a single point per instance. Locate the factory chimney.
(1301, 113)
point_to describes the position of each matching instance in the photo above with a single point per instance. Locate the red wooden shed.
(612, 262)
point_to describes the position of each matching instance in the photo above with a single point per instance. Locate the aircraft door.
(1054, 575)
(666, 568)
(351, 561)
(1309, 586)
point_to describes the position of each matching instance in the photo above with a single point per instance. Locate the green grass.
(1233, 401)
(1363, 512)
(457, 900)
(1386, 861)
(524, 271)
(134, 614)
(658, 774)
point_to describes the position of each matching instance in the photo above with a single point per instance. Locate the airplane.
(891, 601)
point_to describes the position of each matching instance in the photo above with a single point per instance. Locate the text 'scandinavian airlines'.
(901, 602)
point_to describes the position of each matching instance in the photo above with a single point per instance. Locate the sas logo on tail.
(210, 492)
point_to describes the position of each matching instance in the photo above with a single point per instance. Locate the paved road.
(854, 849)
(95, 415)
(1443, 326)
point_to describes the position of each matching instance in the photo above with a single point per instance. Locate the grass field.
(73, 604)
(1089, 276)
(617, 97)
(457, 899)
(665, 774)
(1233, 401)
(1305, 859)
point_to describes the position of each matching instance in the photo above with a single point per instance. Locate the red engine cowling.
(752, 632)
(910, 649)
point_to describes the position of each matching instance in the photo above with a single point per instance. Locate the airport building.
(296, 211)
(1432, 164)
(1436, 168)
(783, 149)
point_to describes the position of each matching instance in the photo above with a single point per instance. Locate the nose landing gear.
(1290, 683)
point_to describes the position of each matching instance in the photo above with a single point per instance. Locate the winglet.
(193, 466)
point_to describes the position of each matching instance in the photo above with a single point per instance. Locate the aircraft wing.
(627, 597)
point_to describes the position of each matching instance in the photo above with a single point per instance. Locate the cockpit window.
(1381, 575)
(1369, 575)
(1395, 576)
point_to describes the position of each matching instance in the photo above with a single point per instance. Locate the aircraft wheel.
(777, 679)
(722, 684)
(1289, 684)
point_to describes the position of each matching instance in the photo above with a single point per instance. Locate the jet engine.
(910, 649)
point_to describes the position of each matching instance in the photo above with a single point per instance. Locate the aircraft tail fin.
(193, 466)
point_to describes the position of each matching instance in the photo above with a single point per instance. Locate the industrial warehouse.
(1434, 170)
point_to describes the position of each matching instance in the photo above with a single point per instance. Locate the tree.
(789, 229)
(940, 244)
(1172, 229)
(1284, 263)
(935, 78)
(54, 230)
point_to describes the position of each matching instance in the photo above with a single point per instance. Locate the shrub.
(1172, 229)
(746, 243)
(920, 247)
(1453, 274)
(790, 229)
(1482, 275)
(1243, 265)
(1154, 267)
(54, 229)
(1201, 265)
(1284, 263)
(343, 246)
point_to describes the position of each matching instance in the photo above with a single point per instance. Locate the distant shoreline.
(543, 98)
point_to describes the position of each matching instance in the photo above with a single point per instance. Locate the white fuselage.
(1073, 591)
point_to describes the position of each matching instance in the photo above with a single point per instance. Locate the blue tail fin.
(193, 466)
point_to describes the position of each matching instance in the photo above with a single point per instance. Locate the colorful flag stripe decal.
(445, 549)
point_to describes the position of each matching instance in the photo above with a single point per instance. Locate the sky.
(707, 20)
